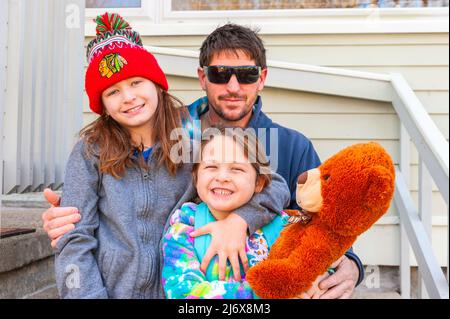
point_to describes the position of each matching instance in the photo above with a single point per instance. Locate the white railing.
(44, 88)
(431, 145)
(433, 150)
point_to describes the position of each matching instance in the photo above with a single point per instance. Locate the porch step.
(27, 262)
(376, 295)
(26, 200)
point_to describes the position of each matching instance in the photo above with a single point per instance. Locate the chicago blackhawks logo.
(110, 64)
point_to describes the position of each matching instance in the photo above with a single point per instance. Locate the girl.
(120, 175)
(231, 171)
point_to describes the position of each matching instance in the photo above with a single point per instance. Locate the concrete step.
(376, 295)
(21, 217)
(26, 200)
(35, 280)
(27, 262)
(48, 292)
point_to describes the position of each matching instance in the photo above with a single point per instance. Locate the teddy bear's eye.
(326, 177)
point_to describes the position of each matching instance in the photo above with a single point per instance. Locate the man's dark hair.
(232, 38)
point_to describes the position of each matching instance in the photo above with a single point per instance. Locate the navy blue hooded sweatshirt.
(295, 152)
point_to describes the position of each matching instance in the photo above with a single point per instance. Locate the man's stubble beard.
(224, 118)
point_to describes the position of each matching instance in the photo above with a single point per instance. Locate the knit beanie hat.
(115, 55)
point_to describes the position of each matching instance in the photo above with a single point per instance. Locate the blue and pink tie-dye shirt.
(181, 274)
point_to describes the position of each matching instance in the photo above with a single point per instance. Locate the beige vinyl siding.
(334, 122)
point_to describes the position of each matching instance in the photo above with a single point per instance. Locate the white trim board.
(437, 221)
(316, 79)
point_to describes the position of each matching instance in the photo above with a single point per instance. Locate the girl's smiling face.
(131, 102)
(225, 179)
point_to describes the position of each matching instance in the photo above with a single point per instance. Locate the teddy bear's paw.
(274, 279)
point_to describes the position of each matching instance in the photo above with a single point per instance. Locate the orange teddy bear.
(339, 200)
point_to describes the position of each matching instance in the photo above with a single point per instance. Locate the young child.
(232, 169)
(120, 175)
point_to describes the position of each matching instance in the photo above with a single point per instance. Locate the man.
(233, 71)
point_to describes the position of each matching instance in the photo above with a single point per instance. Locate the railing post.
(425, 213)
(434, 278)
(434, 163)
(448, 242)
(405, 267)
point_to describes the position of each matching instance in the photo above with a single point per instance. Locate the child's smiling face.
(131, 102)
(226, 179)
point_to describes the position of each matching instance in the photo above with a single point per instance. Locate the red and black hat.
(115, 55)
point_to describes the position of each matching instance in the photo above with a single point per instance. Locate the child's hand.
(228, 242)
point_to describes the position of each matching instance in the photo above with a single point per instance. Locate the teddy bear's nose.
(302, 178)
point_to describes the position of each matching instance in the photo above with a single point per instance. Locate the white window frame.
(144, 16)
(155, 17)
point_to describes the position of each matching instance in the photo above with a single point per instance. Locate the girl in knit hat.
(121, 178)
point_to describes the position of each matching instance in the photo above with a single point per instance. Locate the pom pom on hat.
(117, 54)
(110, 22)
(111, 27)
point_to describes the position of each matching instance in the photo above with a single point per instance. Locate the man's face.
(233, 101)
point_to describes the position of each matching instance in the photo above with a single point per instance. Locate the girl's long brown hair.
(112, 144)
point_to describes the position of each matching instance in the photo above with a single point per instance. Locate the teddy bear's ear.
(381, 183)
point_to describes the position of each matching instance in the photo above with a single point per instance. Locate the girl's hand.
(228, 242)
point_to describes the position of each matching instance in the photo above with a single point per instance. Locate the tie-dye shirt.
(181, 274)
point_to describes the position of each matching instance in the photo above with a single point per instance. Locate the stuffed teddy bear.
(339, 200)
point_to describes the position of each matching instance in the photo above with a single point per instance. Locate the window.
(143, 10)
(113, 4)
(208, 5)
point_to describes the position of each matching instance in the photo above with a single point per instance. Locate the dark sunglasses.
(221, 74)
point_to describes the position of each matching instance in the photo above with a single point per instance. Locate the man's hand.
(314, 292)
(228, 242)
(58, 220)
(341, 284)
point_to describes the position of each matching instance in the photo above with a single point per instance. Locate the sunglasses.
(221, 74)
